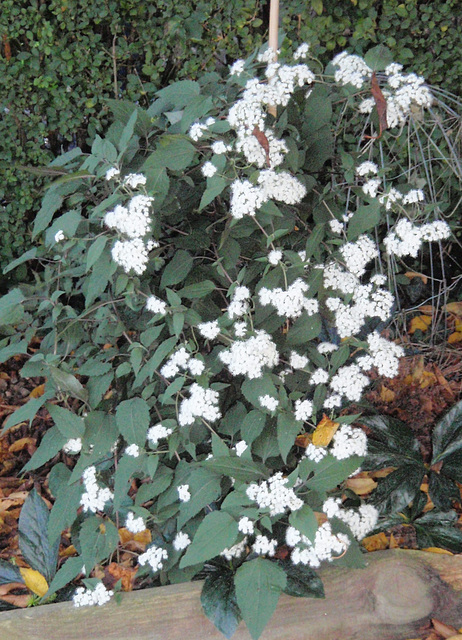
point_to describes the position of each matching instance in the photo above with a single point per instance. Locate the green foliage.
(124, 350)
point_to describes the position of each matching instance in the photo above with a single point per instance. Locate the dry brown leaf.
(68, 551)
(115, 572)
(37, 391)
(378, 542)
(361, 486)
(386, 395)
(324, 431)
(444, 630)
(415, 274)
(22, 443)
(457, 637)
(303, 440)
(393, 543)
(382, 473)
(455, 308)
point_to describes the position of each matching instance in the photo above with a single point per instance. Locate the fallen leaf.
(455, 337)
(34, 581)
(419, 323)
(115, 572)
(68, 551)
(303, 440)
(393, 543)
(386, 395)
(324, 431)
(22, 443)
(438, 550)
(378, 542)
(361, 486)
(455, 308)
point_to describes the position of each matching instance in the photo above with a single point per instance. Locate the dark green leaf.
(205, 488)
(33, 536)
(133, 420)
(10, 573)
(447, 434)
(245, 470)
(11, 309)
(177, 269)
(302, 582)
(287, 428)
(68, 383)
(218, 599)
(398, 489)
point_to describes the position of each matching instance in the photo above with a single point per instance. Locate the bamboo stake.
(273, 39)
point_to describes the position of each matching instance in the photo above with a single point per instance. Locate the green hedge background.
(61, 59)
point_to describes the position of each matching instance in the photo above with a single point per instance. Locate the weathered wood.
(392, 599)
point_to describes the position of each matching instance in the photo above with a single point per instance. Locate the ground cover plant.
(211, 287)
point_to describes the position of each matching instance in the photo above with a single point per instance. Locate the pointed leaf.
(34, 581)
(9, 573)
(218, 599)
(217, 531)
(258, 586)
(133, 420)
(447, 434)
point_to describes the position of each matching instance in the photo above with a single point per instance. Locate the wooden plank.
(392, 599)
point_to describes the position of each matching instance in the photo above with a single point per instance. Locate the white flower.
(302, 51)
(358, 254)
(303, 410)
(320, 376)
(240, 447)
(89, 597)
(297, 361)
(183, 493)
(268, 402)
(366, 167)
(73, 446)
(360, 521)
(133, 450)
(290, 303)
(272, 494)
(209, 330)
(237, 68)
(336, 226)
(59, 235)
(181, 541)
(202, 403)
(351, 69)
(348, 442)
(245, 199)
(264, 546)
(156, 305)
(281, 186)
(156, 433)
(371, 187)
(197, 131)
(326, 347)
(349, 381)
(245, 525)
(235, 551)
(248, 357)
(240, 329)
(275, 256)
(131, 255)
(94, 498)
(111, 173)
(208, 170)
(133, 180)
(154, 556)
(415, 195)
(315, 453)
(134, 525)
(385, 354)
(196, 366)
(219, 147)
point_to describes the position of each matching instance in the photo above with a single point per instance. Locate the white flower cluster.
(272, 494)
(89, 597)
(112, 173)
(281, 186)
(245, 199)
(302, 51)
(264, 546)
(156, 305)
(350, 382)
(239, 304)
(275, 257)
(94, 497)
(133, 254)
(73, 446)
(133, 450)
(156, 433)
(184, 494)
(208, 170)
(351, 69)
(403, 92)
(246, 525)
(248, 357)
(348, 442)
(133, 220)
(209, 330)
(181, 541)
(297, 361)
(202, 403)
(236, 551)
(240, 447)
(361, 522)
(366, 167)
(325, 547)
(181, 359)
(154, 556)
(59, 236)
(290, 303)
(385, 355)
(314, 453)
(268, 402)
(406, 238)
(197, 130)
(303, 410)
(134, 180)
(134, 525)
(358, 254)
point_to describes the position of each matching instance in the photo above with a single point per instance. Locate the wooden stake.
(273, 39)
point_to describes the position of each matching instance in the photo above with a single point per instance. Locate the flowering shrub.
(207, 293)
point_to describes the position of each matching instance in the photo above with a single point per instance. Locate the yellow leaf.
(37, 392)
(455, 337)
(34, 581)
(386, 395)
(361, 486)
(375, 543)
(454, 308)
(438, 550)
(419, 322)
(324, 432)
